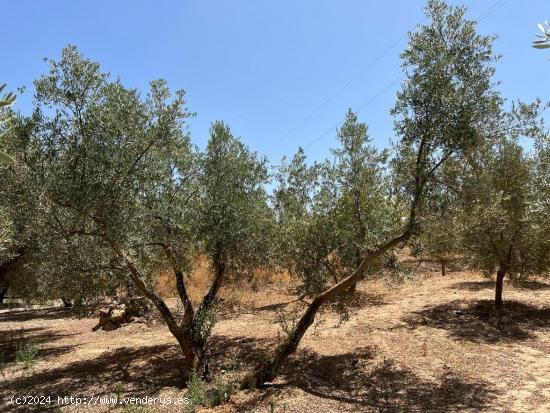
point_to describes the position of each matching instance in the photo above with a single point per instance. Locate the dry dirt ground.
(433, 345)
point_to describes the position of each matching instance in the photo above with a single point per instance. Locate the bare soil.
(434, 345)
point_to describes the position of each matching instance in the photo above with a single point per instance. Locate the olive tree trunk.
(266, 371)
(188, 331)
(501, 273)
(67, 303)
(191, 353)
(10, 267)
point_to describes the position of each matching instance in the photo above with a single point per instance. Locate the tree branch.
(180, 284)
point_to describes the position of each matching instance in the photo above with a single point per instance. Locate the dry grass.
(433, 345)
(197, 282)
(257, 288)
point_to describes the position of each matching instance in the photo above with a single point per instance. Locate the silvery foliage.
(330, 212)
(103, 166)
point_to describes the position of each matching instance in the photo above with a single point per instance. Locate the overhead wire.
(341, 89)
(390, 84)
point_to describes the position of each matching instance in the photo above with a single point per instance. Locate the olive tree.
(505, 212)
(16, 207)
(304, 203)
(365, 210)
(111, 164)
(439, 239)
(441, 112)
(292, 201)
(331, 211)
(119, 186)
(232, 222)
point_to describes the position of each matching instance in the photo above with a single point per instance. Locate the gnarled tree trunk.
(182, 334)
(267, 370)
(187, 331)
(197, 341)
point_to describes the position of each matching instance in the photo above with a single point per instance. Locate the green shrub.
(200, 393)
(196, 389)
(26, 355)
(221, 392)
(118, 389)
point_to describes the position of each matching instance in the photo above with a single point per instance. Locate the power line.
(389, 85)
(342, 88)
(360, 107)
(491, 10)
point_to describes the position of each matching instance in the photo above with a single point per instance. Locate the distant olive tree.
(304, 201)
(294, 205)
(234, 223)
(331, 211)
(505, 229)
(439, 239)
(365, 212)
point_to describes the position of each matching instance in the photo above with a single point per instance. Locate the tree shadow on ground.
(489, 284)
(473, 285)
(356, 379)
(247, 351)
(354, 300)
(478, 321)
(139, 371)
(17, 315)
(13, 340)
(531, 285)
(353, 378)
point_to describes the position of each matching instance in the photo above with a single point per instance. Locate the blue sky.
(280, 73)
